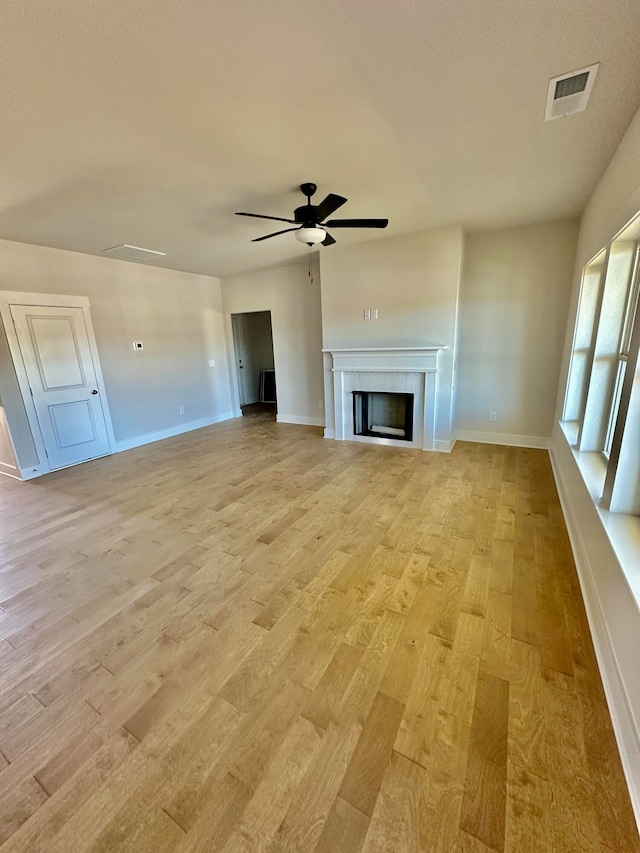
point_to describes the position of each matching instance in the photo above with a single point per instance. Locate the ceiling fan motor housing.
(307, 215)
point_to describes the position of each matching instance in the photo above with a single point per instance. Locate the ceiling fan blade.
(357, 223)
(261, 216)
(275, 234)
(328, 240)
(326, 208)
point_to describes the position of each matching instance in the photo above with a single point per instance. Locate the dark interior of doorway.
(255, 367)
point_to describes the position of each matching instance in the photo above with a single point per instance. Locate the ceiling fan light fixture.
(310, 236)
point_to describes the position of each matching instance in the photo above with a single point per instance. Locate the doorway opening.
(255, 366)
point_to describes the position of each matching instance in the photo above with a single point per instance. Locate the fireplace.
(386, 395)
(383, 414)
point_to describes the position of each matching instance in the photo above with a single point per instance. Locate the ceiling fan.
(309, 219)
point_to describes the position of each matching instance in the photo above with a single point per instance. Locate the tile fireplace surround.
(405, 370)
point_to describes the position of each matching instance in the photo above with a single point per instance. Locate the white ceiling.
(150, 122)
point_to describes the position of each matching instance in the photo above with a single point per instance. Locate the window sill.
(592, 464)
(622, 530)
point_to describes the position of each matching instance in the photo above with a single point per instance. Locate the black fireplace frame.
(361, 415)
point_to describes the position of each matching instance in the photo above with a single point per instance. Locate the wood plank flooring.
(249, 638)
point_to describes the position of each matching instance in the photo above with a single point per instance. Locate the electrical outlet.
(182, 410)
(137, 344)
(212, 362)
(492, 416)
(321, 404)
(374, 313)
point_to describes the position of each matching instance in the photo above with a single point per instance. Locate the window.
(583, 341)
(631, 303)
(602, 401)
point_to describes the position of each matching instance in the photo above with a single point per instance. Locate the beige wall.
(613, 610)
(615, 201)
(413, 281)
(177, 316)
(616, 198)
(297, 333)
(514, 302)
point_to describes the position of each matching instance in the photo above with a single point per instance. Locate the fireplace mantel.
(385, 358)
(381, 369)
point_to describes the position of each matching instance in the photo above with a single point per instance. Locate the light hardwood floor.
(249, 638)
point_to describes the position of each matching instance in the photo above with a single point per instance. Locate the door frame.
(49, 300)
(238, 343)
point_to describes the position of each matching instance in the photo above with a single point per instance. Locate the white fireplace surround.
(402, 370)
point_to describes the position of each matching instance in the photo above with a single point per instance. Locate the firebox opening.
(383, 414)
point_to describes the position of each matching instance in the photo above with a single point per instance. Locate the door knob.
(94, 391)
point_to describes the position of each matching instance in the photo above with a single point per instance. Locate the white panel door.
(58, 361)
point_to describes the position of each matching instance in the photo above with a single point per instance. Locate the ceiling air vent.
(133, 253)
(569, 93)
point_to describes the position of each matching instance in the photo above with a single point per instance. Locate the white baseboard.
(620, 707)
(25, 473)
(329, 432)
(299, 419)
(13, 474)
(443, 446)
(150, 437)
(10, 470)
(505, 438)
